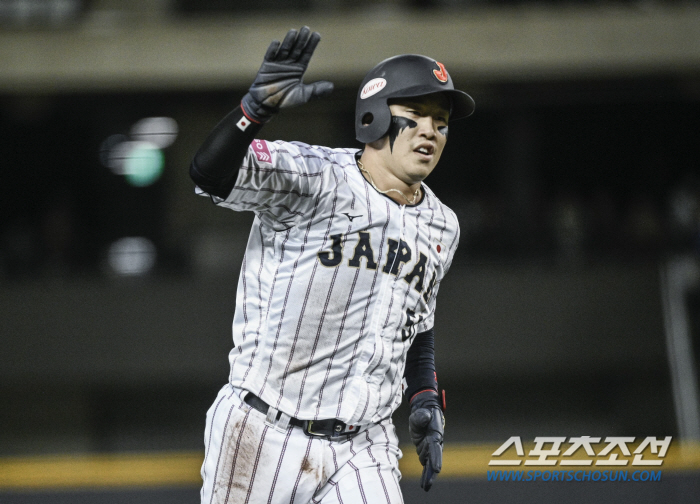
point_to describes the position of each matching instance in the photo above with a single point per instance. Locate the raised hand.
(279, 80)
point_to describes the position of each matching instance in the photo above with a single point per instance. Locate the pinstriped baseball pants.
(247, 461)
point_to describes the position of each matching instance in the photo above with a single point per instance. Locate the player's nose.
(427, 126)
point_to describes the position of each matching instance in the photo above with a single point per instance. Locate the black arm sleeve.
(215, 165)
(420, 366)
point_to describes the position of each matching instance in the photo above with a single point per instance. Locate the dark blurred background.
(573, 305)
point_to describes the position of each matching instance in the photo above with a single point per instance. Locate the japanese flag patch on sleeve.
(243, 123)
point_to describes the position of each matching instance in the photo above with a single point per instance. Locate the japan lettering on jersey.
(336, 281)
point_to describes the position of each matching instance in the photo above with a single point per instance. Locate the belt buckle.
(309, 424)
(337, 431)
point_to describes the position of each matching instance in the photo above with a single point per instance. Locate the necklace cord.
(410, 201)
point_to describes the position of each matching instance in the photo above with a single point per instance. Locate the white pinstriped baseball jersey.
(336, 281)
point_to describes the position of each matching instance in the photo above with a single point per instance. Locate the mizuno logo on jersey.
(351, 217)
(398, 254)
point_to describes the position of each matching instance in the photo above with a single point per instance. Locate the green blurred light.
(144, 164)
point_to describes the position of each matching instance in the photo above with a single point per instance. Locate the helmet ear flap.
(373, 122)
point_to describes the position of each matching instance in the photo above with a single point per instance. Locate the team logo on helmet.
(372, 87)
(441, 74)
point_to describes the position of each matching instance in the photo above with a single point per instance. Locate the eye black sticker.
(398, 124)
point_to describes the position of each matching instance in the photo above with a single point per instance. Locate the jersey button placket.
(395, 296)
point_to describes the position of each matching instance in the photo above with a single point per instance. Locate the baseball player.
(336, 298)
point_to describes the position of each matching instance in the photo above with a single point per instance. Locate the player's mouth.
(425, 151)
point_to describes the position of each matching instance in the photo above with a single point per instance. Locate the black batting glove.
(427, 426)
(279, 80)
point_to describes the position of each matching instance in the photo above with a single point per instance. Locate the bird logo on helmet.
(403, 76)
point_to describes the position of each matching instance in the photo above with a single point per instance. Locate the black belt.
(331, 428)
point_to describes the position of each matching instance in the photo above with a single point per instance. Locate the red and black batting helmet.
(404, 76)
